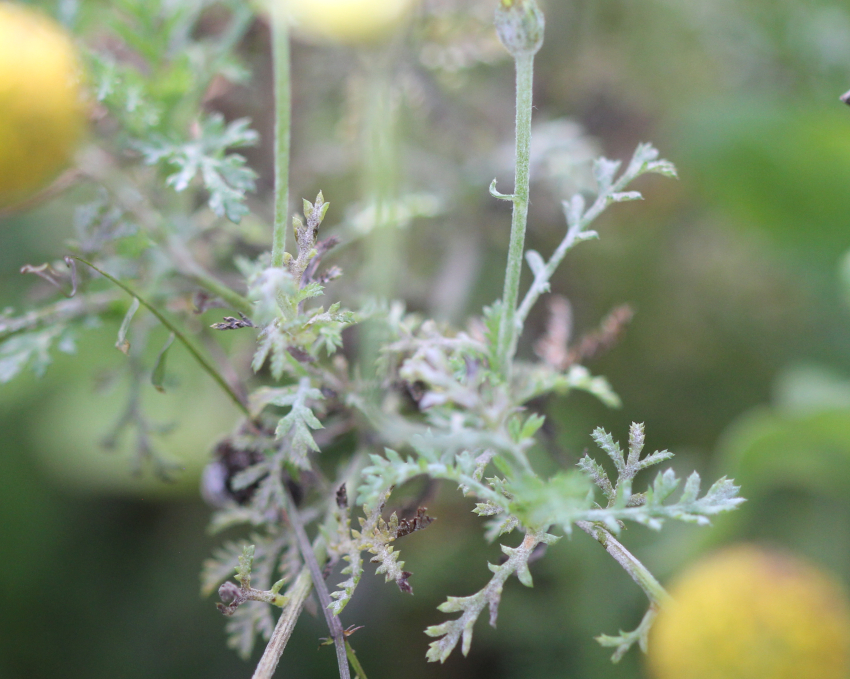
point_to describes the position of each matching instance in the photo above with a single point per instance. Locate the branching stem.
(578, 230)
(657, 595)
(206, 365)
(298, 593)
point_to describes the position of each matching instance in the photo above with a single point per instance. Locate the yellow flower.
(748, 613)
(41, 113)
(348, 21)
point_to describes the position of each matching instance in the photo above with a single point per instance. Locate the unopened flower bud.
(520, 25)
(228, 592)
(348, 21)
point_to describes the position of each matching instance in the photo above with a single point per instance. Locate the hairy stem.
(639, 573)
(297, 594)
(541, 280)
(208, 368)
(507, 326)
(309, 556)
(355, 663)
(282, 131)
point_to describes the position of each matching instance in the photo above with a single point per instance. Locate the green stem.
(507, 327)
(576, 234)
(639, 573)
(283, 124)
(297, 594)
(355, 663)
(187, 266)
(234, 299)
(210, 370)
(381, 174)
(100, 167)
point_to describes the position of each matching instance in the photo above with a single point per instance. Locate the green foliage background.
(737, 360)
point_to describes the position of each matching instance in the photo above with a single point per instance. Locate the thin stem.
(309, 556)
(541, 280)
(297, 594)
(378, 113)
(355, 663)
(210, 370)
(187, 266)
(101, 167)
(243, 16)
(234, 299)
(507, 327)
(282, 131)
(639, 573)
(381, 174)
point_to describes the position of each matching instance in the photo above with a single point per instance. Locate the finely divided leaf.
(470, 607)
(32, 349)
(226, 177)
(299, 422)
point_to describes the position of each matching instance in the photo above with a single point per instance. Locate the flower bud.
(749, 613)
(520, 25)
(348, 21)
(228, 592)
(42, 113)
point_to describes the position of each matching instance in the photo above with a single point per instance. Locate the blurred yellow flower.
(749, 613)
(41, 113)
(348, 21)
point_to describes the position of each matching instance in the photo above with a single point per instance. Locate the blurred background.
(737, 360)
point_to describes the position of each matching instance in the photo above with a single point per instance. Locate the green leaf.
(122, 344)
(471, 607)
(598, 475)
(496, 194)
(32, 350)
(561, 500)
(612, 448)
(246, 563)
(535, 262)
(604, 170)
(531, 426)
(299, 422)
(225, 177)
(158, 373)
(574, 210)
